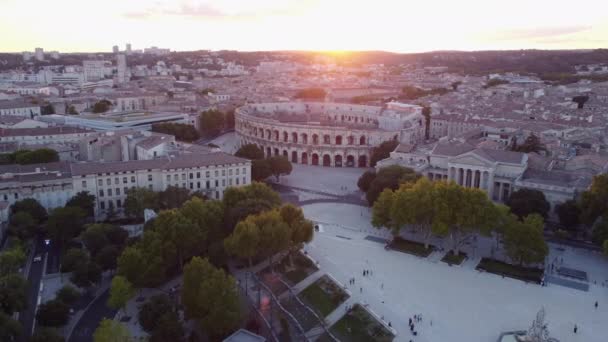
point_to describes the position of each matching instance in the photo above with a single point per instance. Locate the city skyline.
(67, 25)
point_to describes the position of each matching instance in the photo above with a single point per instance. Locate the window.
(207, 185)
(183, 176)
(217, 173)
(217, 183)
(230, 172)
(116, 180)
(176, 177)
(191, 186)
(217, 195)
(198, 185)
(100, 193)
(150, 186)
(84, 184)
(237, 181)
(102, 205)
(16, 195)
(117, 191)
(132, 179)
(198, 175)
(223, 182)
(109, 192)
(244, 181)
(126, 189)
(207, 174)
(223, 172)
(108, 181)
(119, 203)
(124, 180)
(229, 181)
(244, 171)
(100, 182)
(191, 175)
(149, 178)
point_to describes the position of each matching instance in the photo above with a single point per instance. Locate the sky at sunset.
(392, 25)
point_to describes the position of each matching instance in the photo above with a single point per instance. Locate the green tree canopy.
(13, 293)
(39, 156)
(524, 202)
(10, 329)
(139, 199)
(22, 225)
(131, 264)
(110, 330)
(85, 201)
(250, 151)
(279, 165)
(531, 144)
(121, 291)
(53, 313)
(68, 294)
(365, 181)
(64, 224)
(524, 241)
(46, 334)
(11, 259)
(569, 213)
(594, 202)
(72, 258)
(260, 169)
(182, 132)
(389, 177)
(86, 274)
(102, 106)
(383, 151)
(153, 310)
(211, 122)
(211, 297)
(244, 242)
(32, 207)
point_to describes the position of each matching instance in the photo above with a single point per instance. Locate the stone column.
(500, 190)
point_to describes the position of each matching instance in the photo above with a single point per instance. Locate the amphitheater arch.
(315, 159)
(363, 161)
(294, 156)
(304, 159)
(326, 160)
(338, 160)
(338, 140)
(294, 137)
(350, 160)
(362, 140)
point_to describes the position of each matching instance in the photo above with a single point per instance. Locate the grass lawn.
(410, 247)
(302, 267)
(359, 326)
(513, 271)
(452, 259)
(324, 296)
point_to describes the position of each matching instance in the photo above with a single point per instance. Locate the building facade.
(328, 134)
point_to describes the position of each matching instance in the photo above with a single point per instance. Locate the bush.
(68, 295)
(53, 313)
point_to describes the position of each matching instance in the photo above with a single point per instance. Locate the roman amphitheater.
(327, 134)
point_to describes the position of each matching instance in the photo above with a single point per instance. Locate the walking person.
(575, 328)
(596, 304)
(361, 290)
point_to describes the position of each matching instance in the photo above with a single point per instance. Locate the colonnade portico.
(480, 178)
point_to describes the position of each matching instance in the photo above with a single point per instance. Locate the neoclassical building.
(497, 172)
(327, 134)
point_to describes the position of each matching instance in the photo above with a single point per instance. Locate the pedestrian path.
(436, 256)
(471, 263)
(299, 287)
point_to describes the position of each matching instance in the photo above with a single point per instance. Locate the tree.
(260, 169)
(13, 293)
(94, 237)
(211, 122)
(39, 156)
(83, 200)
(383, 151)
(599, 233)
(381, 211)
(211, 297)
(180, 237)
(139, 199)
(111, 331)
(182, 132)
(107, 257)
(173, 197)
(45, 334)
(365, 181)
(415, 204)
(244, 241)
(10, 329)
(102, 106)
(22, 225)
(207, 216)
(53, 313)
(68, 294)
(11, 259)
(301, 229)
(73, 258)
(250, 151)
(279, 165)
(65, 224)
(580, 100)
(389, 177)
(86, 274)
(121, 291)
(568, 213)
(116, 235)
(311, 94)
(153, 309)
(169, 328)
(524, 202)
(72, 110)
(32, 207)
(131, 263)
(524, 241)
(594, 202)
(531, 144)
(274, 232)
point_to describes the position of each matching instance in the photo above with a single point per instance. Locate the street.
(26, 317)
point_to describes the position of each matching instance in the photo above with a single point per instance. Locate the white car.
(37, 258)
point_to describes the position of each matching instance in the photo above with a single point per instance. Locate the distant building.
(121, 69)
(39, 53)
(93, 70)
(115, 49)
(128, 49)
(19, 108)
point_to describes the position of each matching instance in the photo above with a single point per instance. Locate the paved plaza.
(462, 303)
